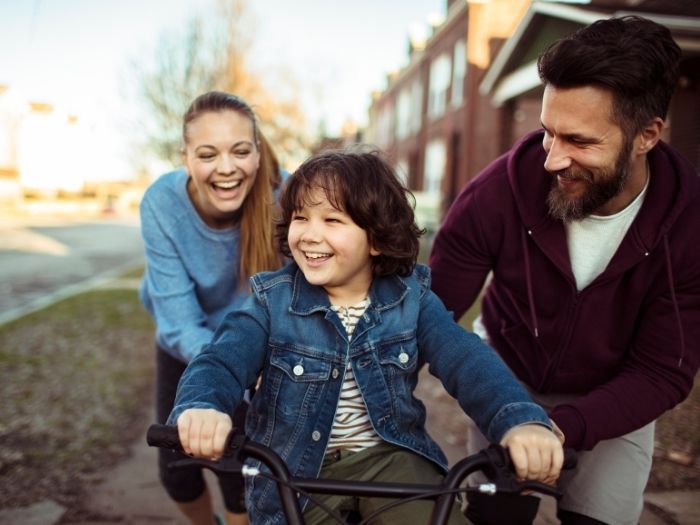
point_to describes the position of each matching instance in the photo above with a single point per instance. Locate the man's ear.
(650, 135)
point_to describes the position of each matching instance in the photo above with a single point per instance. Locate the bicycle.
(493, 461)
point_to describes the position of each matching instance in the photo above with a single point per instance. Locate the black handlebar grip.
(164, 436)
(570, 459)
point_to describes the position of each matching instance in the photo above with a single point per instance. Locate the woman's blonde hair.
(257, 247)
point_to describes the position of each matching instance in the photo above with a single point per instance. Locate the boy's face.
(331, 250)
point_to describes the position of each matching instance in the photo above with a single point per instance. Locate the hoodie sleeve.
(461, 259)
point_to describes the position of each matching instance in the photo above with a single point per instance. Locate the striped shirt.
(352, 429)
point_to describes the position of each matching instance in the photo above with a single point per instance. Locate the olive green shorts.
(387, 463)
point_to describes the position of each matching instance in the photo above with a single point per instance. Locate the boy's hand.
(535, 451)
(203, 432)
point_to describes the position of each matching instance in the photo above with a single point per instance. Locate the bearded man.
(590, 229)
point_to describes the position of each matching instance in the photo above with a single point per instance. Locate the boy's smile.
(331, 250)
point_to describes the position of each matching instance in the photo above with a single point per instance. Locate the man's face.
(588, 154)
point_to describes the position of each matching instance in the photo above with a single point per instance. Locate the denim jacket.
(287, 331)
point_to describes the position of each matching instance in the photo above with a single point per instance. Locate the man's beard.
(610, 183)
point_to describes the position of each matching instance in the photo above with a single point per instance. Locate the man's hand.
(536, 452)
(203, 432)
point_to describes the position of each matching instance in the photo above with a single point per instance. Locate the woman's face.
(222, 159)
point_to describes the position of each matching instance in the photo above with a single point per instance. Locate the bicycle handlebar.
(494, 461)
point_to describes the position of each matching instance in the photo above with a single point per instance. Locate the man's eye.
(207, 156)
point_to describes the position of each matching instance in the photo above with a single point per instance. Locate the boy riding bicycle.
(338, 337)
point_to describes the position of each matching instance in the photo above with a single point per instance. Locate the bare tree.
(211, 54)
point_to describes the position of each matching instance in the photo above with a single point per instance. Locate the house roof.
(514, 69)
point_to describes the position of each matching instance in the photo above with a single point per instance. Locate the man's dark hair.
(363, 185)
(635, 58)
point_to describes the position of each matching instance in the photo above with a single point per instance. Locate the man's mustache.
(573, 174)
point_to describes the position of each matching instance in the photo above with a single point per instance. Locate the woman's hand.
(203, 432)
(536, 452)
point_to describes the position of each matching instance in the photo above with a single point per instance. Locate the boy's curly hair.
(363, 185)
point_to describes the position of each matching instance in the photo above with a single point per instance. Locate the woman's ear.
(183, 156)
(374, 252)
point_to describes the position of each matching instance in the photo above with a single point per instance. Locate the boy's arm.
(488, 392)
(217, 378)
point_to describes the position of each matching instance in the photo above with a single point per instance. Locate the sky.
(75, 54)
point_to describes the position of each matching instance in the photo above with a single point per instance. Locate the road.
(45, 258)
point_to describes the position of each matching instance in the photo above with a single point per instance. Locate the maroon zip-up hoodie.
(628, 343)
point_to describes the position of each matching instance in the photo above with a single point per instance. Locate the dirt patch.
(676, 465)
(74, 379)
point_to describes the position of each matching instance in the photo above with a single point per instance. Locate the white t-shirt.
(593, 241)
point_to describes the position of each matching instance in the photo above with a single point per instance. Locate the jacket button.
(403, 357)
(298, 370)
(335, 373)
(315, 435)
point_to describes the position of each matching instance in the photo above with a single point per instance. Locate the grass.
(75, 378)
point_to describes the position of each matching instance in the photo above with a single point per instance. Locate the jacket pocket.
(400, 355)
(300, 367)
(294, 382)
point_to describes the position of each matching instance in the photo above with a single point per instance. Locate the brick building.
(473, 89)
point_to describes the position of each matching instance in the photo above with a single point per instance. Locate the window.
(416, 105)
(435, 157)
(409, 109)
(403, 114)
(459, 72)
(384, 126)
(439, 82)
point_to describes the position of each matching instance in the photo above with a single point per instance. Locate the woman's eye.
(207, 156)
(242, 153)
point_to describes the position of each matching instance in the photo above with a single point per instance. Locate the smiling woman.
(222, 158)
(207, 227)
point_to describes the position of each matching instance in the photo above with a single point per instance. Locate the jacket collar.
(384, 293)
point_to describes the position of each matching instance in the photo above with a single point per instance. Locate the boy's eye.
(298, 217)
